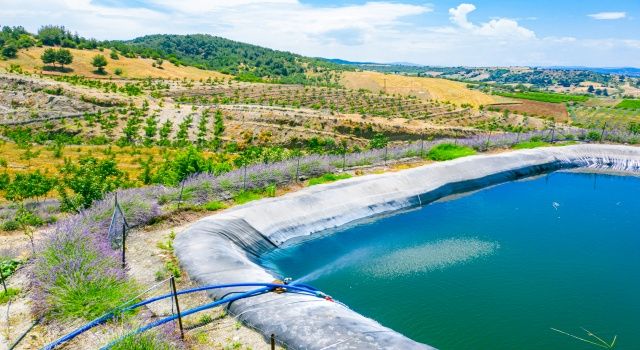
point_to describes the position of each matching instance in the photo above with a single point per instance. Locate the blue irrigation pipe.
(106, 317)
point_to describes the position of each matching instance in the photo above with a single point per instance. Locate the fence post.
(518, 137)
(4, 284)
(488, 139)
(553, 132)
(604, 128)
(244, 181)
(175, 299)
(181, 191)
(344, 159)
(298, 168)
(386, 147)
(421, 145)
(124, 240)
(273, 341)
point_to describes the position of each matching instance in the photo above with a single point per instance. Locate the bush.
(118, 71)
(10, 225)
(77, 274)
(448, 151)
(593, 136)
(5, 297)
(214, 205)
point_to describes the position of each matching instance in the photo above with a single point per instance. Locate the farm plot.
(557, 111)
(331, 99)
(591, 117)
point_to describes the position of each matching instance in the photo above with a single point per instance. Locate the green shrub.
(327, 178)
(5, 297)
(10, 225)
(593, 136)
(448, 151)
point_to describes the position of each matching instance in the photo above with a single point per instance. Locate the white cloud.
(498, 27)
(381, 31)
(458, 15)
(608, 15)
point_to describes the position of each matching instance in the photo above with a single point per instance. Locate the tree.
(182, 136)
(9, 51)
(49, 56)
(378, 141)
(165, 132)
(64, 56)
(202, 129)
(114, 55)
(591, 89)
(99, 61)
(52, 35)
(88, 179)
(30, 185)
(150, 130)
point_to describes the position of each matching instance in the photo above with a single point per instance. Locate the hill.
(424, 88)
(136, 68)
(249, 62)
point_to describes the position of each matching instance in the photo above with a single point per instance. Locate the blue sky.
(473, 33)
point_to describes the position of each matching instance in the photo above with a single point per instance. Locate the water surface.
(496, 269)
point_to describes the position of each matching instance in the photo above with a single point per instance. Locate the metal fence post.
(124, 239)
(244, 181)
(4, 284)
(175, 299)
(604, 128)
(181, 192)
(386, 147)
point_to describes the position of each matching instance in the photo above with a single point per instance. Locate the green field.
(544, 96)
(595, 117)
(629, 104)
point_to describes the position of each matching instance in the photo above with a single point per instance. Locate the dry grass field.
(134, 68)
(423, 88)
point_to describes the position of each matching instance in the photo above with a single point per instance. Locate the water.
(496, 269)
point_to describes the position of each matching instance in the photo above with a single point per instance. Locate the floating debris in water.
(555, 205)
(431, 256)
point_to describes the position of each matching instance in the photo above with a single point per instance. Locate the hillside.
(135, 68)
(423, 88)
(249, 61)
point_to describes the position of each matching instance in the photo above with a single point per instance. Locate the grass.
(214, 205)
(629, 104)
(327, 178)
(544, 96)
(448, 151)
(243, 197)
(144, 341)
(5, 297)
(530, 144)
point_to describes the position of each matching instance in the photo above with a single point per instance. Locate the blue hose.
(106, 317)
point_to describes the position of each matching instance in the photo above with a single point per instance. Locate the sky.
(445, 33)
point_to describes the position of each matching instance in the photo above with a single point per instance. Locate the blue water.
(496, 269)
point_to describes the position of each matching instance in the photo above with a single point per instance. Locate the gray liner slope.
(223, 248)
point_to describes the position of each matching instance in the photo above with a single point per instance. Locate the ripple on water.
(431, 256)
